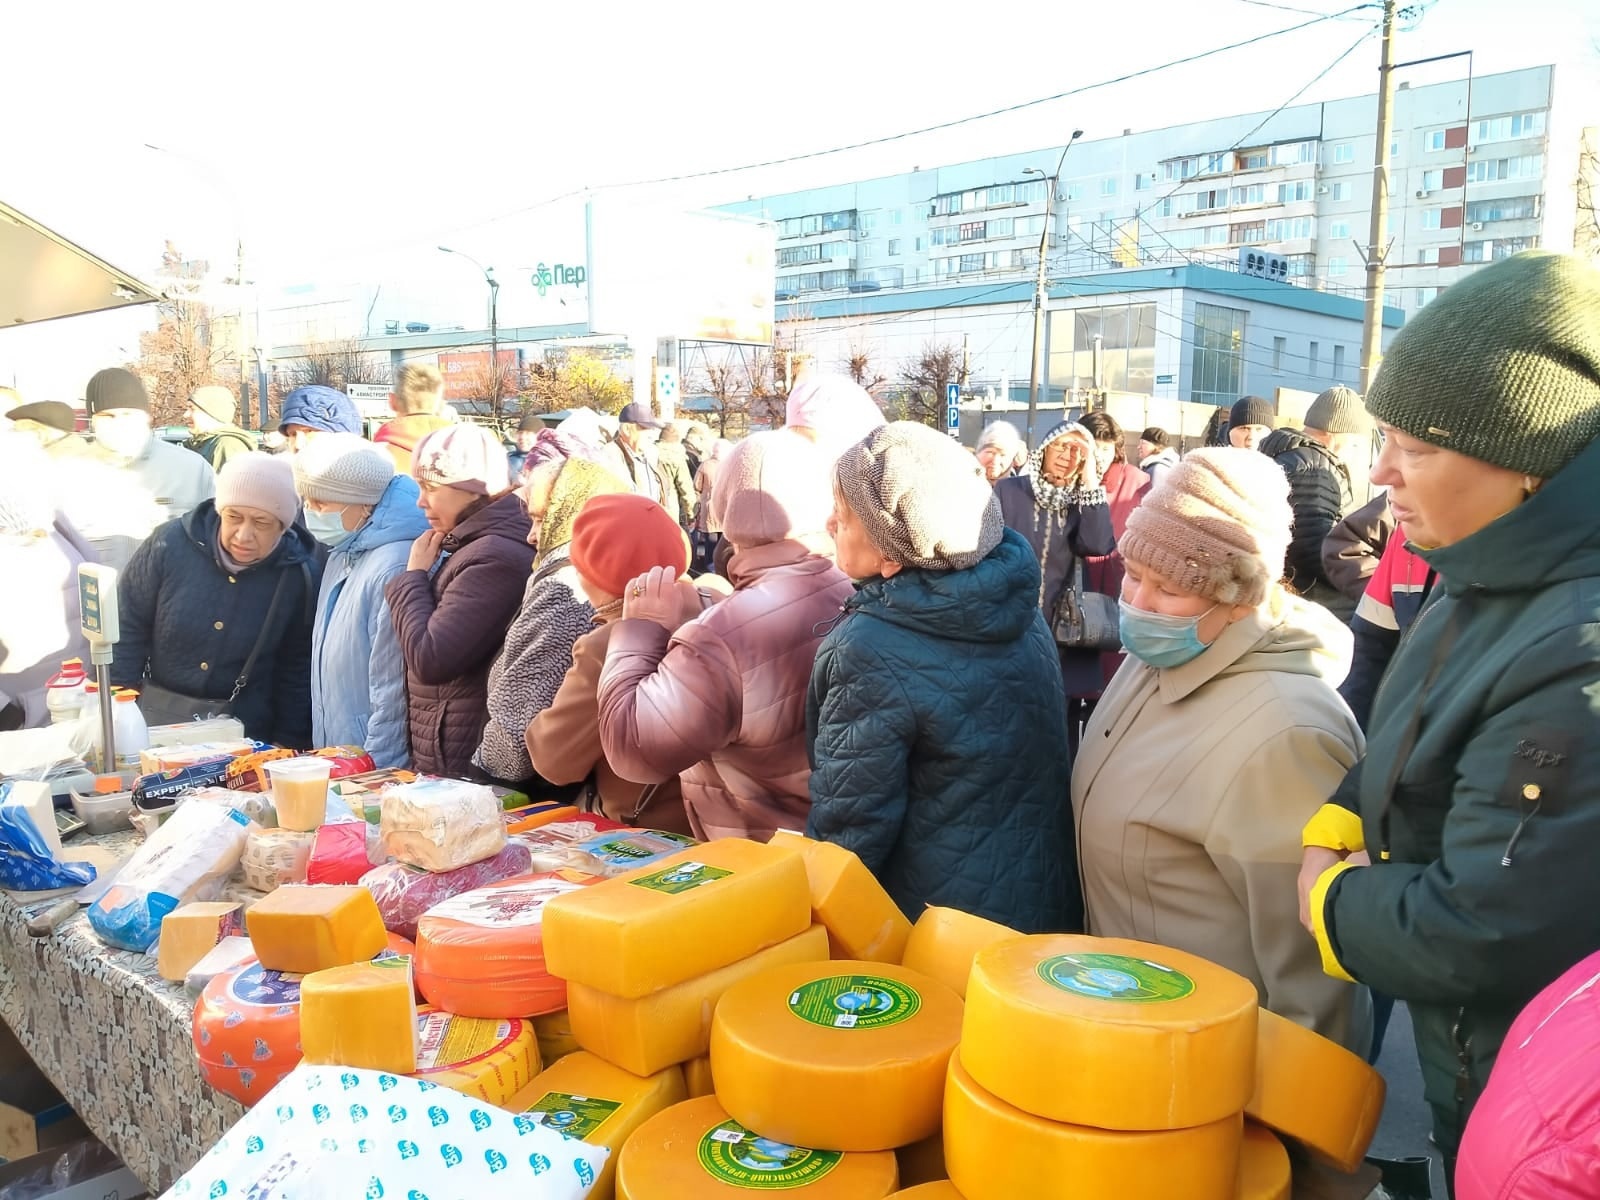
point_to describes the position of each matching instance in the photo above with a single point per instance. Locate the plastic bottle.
(64, 693)
(129, 728)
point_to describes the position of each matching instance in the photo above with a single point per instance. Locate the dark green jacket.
(1481, 786)
(218, 446)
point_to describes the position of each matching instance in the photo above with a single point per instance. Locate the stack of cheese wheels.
(492, 1060)
(944, 941)
(1315, 1092)
(862, 921)
(1120, 1066)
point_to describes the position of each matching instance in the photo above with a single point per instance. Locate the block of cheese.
(303, 929)
(941, 1190)
(441, 824)
(1110, 1033)
(247, 1031)
(862, 922)
(674, 1024)
(922, 1162)
(695, 1151)
(840, 1055)
(944, 941)
(274, 857)
(481, 954)
(363, 1015)
(1264, 1170)
(685, 916)
(189, 933)
(697, 1077)
(492, 1060)
(1309, 1089)
(227, 954)
(556, 1039)
(995, 1151)
(589, 1099)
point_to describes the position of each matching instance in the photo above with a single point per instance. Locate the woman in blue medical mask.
(368, 518)
(1217, 740)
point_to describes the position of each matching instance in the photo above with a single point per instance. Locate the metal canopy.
(43, 276)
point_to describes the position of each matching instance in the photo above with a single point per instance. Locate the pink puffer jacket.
(1535, 1134)
(722, 702)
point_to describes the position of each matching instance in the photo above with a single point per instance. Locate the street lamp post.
(1037, 373)
(494, 322)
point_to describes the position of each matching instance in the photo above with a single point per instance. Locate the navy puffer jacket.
(939, 743)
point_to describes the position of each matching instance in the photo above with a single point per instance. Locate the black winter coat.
(939, 743)
(1319, 494)
(189, 624)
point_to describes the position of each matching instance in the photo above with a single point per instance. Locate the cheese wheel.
(941, 1190)
(492, 1060)
(698, 1079)
(995, 1151)
(481, 954)
(686, 916)
(862, 921)
(589, 1099)
(556, 1040)
(302, 929)
(695, 1151)
(1264, 1171)
(1109, 1033)
(922, 1162)
(838, 1055)
(944, 941)
(674, 1024)
(274, 857)
(1309, 1089)
(247, 1031)
(191, 932)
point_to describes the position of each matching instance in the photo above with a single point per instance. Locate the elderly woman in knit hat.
(1218, 738)
(554, 615)
(315, 411)
(719, 698)
(615, 538)
(462, 586)
(217, 609)
(367, 517)
(1478, 801)
(1001, 450)
(1061, 510)
(938, 729)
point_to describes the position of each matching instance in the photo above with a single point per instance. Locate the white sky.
(340, 135)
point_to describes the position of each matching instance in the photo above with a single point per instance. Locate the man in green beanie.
(1478, 801)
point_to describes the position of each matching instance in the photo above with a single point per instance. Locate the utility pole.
(966, 359)
(1036, 372)
(1377, 250)
(494, 338)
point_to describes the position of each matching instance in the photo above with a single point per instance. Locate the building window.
(999, 227)
(833, 280)
(1428, 255)
(1142, 182)
(1344, 152)
(971, 262)
(1217, 376)
(1213, 199)
(1073, 191)
(1339, 229)
(1108, 186)
(869, 222)
(1433, 141)
(1001, 193)
(1028, 226)
(1035, 191)
(1432, 218)
(1312, 354)
(1425, 295)
(1181, 168)
(1302, 266)
(894, 247)
(1248, 232)
(1432, 181)
(972, 231)
(1219, 164)
(1341, 191)
(1294, 152)
(1291, 193)
(1494, 249)
(1255, 193)
(1337, 266)
(834, 222)
(1502, 129)
(1279, 345)
(1338, 363)
(1394, 149)
(919, 245)
(1515, 208)
(788, 256)
(1255, 161)
(1288, 229)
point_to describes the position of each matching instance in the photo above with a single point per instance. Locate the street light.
(494, 321)
(1037, 371)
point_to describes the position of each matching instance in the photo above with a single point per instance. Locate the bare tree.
(861, 367)
(765, 392)
(1586, 236)
(726, 385)
(337, 364)
(923, 381)
(188, 348)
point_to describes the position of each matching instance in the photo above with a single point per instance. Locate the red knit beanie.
(618, 537)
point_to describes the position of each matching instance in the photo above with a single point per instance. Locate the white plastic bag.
(441, 824)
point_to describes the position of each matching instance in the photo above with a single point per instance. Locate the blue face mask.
(327, 527)
(1159, 640)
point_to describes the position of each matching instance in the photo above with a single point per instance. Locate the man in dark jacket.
(213, 413)
(1319, 487)
(939, 742)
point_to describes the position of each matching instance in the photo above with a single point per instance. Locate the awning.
(43, 276)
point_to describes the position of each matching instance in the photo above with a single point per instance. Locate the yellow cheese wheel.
(1264, 1171)
(684, 916)
(1109, 1033)
(492, 1060)
(191, 932)
(697, 1078)
(862, 921)
(838, 1055)
(922, 1162)
(674, 1024)
(587, 1098)
(301, 929)
(995, 1151)
(940, 1190)
(363, 1015)
(944, 941)
(695, 1151)
(1315, 1092)
(554, 1031)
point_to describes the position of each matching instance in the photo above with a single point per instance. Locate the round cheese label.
(855, 1002)
(1115, 977)
(731, 1154)
(494, 907)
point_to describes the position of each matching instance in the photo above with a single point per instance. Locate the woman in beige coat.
(1217, 740)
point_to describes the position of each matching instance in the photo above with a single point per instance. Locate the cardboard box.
(106, 1179)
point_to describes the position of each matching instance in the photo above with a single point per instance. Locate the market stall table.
(112, 1035)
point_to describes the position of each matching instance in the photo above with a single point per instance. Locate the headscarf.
(1054, 499)
(554, 446)
(578, 482)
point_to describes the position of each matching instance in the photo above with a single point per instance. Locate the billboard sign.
(467, 375)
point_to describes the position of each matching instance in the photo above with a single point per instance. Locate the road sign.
(952, 404)
(371, 399)
(667, 391)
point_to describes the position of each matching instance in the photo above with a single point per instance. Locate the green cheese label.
(855, 1002)
(684, 877)
(575, 1116)
(731, 1154)
(1115, 977)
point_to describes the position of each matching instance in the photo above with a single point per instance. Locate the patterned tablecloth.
(114, 1038)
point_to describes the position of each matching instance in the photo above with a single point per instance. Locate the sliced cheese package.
(441, 824)
(688, 915)
(944, 941)
(836, 1055)
(303, 929)
(362, 1015)
(556, 1039)
(247, 1031)
(226, 955)
(1109, 1033)
(492, 1060)
(862, 921)
(995, 1151)
(587, 1098)
(696, 1151)
(482, 953)
(674, 1024)
(1315, 1092)
(274, 857)
(189, 933)
(616, 852)
(404, 892)
(1264, 1170)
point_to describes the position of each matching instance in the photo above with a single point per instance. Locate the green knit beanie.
(1503, 367)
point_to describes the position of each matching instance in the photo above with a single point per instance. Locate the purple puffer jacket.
(1535, 1133)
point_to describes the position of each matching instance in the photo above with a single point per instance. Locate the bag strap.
(261, 639)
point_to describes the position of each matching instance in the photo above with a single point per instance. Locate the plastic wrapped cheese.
(404, 893)
(339, 853)
(619, 851)
(247, 1031)
(227, 955)
(441, 824)
(193, 931)
(492, 1060)
(274, 857)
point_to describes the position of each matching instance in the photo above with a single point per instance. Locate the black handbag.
(1085, 620)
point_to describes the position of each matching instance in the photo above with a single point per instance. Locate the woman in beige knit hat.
(1218, 738)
